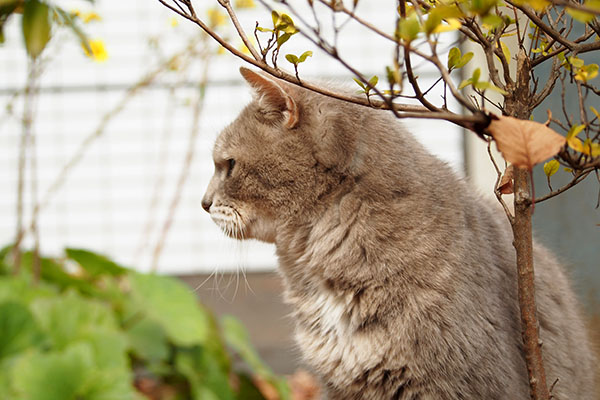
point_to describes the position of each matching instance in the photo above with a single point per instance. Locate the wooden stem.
(523, 243)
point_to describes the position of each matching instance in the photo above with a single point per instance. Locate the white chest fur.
(329, 340)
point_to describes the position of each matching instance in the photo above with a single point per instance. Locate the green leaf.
(53, 272)
(292, 59)
(148, 340)
(454, 57)
(482, 7)
(109, 348)
(275, 17)
(551, 167)
(464, 84)
(203, 370)
(95, 264)
(18, 329)
(19, 289)
(173, 305)
(304, 55)
(283, 38)
(286, 24)
(359, 83)
(464, 60)
(408, 29)
(237, 337)
(393, 75)
(261, 29)
(55, 375)
(476, 75)
(373, 81)
(488, 86)
(247, 390)
(493, 21)
(36, 27)
(71, 317)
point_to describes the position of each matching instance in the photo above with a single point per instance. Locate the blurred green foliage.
(90, 329)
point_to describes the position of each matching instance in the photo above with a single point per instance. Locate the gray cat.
(402, 280)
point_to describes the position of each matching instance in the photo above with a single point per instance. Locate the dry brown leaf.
(304, 386)
(505, 186)
(265, 388)
(524, 143)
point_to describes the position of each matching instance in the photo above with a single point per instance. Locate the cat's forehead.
(230, 138)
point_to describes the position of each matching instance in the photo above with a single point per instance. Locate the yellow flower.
(91, 16)
(245, 4)
(215, 17)
(99, 53)
(173, 22)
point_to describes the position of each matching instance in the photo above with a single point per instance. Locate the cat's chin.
(234, 225)
(263, 230)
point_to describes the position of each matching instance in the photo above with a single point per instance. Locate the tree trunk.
(518, 106)
(523, 243)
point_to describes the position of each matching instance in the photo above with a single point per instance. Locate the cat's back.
(415, 273)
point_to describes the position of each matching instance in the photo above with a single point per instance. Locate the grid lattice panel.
(116, 198)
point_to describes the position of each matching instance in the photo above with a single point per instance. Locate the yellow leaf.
(505, 51)
(215, 17)
(524, 143)
(451, 25)
(245, 4)
(551, 167)
(575, 143)
(538, 5)
(586, 72)
(590, 148)
(595, 112)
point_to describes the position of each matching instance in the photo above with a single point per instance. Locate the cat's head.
(279, 159)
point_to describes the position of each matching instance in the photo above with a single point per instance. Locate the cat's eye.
(230, 165)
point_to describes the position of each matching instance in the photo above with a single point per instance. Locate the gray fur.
(402, 280)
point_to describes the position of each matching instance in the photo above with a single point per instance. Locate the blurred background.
(122, 147)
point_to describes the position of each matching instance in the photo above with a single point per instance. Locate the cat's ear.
(272, 96)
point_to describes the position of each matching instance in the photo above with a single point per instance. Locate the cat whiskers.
(229, 220)
(232, 223)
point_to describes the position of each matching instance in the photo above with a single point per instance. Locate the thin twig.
(238, 27)
(185, 169)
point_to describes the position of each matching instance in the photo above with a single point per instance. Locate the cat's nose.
(206, 203)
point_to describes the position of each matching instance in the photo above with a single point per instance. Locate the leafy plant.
(94, 330)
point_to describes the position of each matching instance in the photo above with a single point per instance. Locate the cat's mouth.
(230, 221)
(243, 226)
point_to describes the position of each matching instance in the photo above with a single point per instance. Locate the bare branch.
(547, 29)
(238, 27)
(576, 6)
(579, 176)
